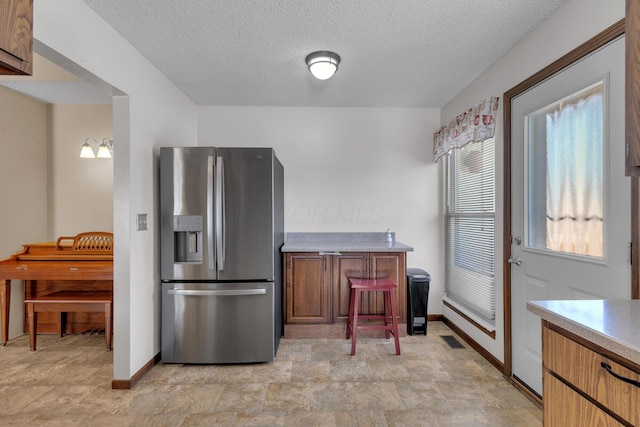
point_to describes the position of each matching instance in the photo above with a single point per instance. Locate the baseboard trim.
(477, 347)
(130, 383)
(435, 317)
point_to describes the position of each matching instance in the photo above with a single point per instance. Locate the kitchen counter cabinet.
(342, 265)
(573, 376)
(16, 37)
(578, 339)
(371, 265)
(317, 287)
(307, 288)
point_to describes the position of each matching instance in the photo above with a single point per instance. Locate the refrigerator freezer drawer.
(218, 322)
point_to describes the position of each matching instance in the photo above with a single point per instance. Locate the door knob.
(516, 261)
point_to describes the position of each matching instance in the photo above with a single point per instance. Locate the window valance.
(476, 124)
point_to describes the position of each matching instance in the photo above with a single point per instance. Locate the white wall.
(81, 190)
(23, 183)
(573, 24)
(148, 112)
(348, 169)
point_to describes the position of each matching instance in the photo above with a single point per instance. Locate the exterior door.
(570, 197)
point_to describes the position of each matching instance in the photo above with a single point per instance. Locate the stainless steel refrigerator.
(222, 227)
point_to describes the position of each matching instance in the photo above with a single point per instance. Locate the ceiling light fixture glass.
(323, 64)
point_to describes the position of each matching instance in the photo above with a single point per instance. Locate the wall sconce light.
(105, 149)
(323, 64)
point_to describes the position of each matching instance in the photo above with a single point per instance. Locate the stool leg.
(387, 311)
(394, 320)
(354, 328)
(31, 316)
(350, 316)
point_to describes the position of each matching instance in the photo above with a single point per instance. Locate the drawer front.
(581, 366)
(569, 409)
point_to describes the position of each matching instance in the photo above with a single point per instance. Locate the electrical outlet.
(142, 222)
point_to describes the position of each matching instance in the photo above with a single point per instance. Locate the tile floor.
(313, 382)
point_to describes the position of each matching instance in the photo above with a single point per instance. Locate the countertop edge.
(343, 242)
(345, 247)
(618, 346)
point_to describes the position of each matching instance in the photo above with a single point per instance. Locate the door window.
(565, 170)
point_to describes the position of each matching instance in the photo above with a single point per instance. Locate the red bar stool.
(390, 326)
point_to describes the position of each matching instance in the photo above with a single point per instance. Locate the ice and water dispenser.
(187, 231)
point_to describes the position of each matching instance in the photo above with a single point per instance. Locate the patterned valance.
(476, 124)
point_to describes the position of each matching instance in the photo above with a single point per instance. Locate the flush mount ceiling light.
(104, 149)
(322, 64)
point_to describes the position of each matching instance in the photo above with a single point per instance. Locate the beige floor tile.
(371, 418)
(350, 370)
(421, 395)
(276, 372)
(311, 371)
(242, 397)
(287, 397)
(410, 418)
(310, 419)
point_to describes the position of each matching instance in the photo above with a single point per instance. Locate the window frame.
(461, 270)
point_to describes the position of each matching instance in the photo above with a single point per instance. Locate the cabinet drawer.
(581, 367)
(569, 409)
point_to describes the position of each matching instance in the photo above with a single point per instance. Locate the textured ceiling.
(395, 53)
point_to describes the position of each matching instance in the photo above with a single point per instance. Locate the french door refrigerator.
(222, 227)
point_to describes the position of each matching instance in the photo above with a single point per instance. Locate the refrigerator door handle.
(220, 219)
(210, 214)
(217, 292)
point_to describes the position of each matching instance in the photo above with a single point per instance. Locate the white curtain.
(476, 124)
(575, 176)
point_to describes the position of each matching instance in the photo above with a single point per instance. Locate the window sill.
(480, 323)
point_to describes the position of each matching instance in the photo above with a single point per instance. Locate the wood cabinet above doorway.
(16, 37)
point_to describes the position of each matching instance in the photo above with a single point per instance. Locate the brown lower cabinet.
(577, 388)
(16, 37)
(317, 288)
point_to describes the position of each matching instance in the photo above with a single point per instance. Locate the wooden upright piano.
(83, 263)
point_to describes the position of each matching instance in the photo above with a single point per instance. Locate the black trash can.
(418, 282)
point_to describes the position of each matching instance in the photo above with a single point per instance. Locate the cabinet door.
(16, 37)
(344, 266)
(307, 295)
(393, 266)
(632, 90)
(569, 409)
(581, 366)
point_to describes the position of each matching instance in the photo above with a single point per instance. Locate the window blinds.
(470, 227)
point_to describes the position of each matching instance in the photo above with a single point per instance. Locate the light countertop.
(611, 324)
(342, 242)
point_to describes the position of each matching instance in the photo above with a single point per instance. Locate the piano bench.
(70, 301)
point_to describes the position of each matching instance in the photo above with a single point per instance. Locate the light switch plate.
(142, 222)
